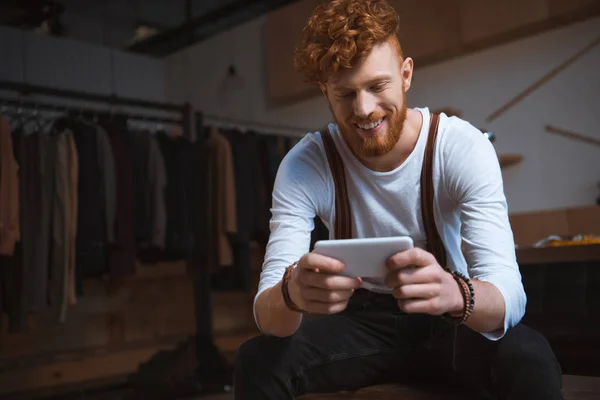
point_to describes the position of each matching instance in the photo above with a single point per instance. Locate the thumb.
(321, 263)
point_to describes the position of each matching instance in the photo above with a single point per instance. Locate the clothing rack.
(212, 367)
(25, 90)
(82, 111)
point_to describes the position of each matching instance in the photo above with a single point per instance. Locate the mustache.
(372, 118)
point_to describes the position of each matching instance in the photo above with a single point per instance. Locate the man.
(321, 331)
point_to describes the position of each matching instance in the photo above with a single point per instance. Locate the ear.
(407, 72)
(323, 88)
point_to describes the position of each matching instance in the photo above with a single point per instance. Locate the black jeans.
(373, 342)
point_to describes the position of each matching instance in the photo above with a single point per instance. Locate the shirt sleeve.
(299, 194)
(474, 180)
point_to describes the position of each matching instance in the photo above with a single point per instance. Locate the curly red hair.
(341, 33)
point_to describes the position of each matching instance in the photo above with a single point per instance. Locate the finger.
(421, 306)
(326, 296)
(412, 257)
(414, 275)
(326, 308)
(393, 278)
(419, 291)
(328, 281)
(314, 261)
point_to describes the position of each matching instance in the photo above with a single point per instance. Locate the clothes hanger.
(17, 122)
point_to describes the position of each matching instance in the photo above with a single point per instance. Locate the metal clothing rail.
(266, 128)
(26, 89)
(84, 111)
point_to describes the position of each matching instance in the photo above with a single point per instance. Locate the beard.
(379, 144)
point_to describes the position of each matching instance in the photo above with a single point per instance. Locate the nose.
(364, 105)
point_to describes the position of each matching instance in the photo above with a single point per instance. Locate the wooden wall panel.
(563, 7)
(528, 228)
(283, 31)
(584, 220)
(482, 19)
(427, 27)
(110, 313)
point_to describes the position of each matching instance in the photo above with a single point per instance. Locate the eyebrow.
(370, 82)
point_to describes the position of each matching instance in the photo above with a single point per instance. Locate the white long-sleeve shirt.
(470, 210)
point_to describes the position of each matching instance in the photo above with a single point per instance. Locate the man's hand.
(316, 286)
(421, 285)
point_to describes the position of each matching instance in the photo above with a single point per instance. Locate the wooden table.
(574, 388)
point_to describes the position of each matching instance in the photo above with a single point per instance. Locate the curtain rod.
(85, 111)
(272, 128)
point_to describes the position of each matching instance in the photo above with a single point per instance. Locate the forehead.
(382, 60)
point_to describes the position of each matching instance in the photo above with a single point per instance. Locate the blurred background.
(140, 140)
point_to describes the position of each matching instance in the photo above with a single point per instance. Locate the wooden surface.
(81, 375)
(506, 160)
(530, 227)
(113, 328)
(481, 19)
(282, 33)
(563, 254)
(432, 22)
(574, 388)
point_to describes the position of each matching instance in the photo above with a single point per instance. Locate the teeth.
(371, 125)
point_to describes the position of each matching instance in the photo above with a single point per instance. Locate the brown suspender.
(434, 242)
(343, 216)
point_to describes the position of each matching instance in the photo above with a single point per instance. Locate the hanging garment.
(109, 180)
(42, 230)
(183, 151)
(32, 215)
(123, 251)
(250, 186)
(197, 195)
(155, 194)
(12, 289)
(138, 147)
(91, 242)
(9, 191)
(64, 224)
(150, 180)
(12, 280)
(178, 240)
(222, 211)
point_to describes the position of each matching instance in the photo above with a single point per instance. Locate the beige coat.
(222, 216)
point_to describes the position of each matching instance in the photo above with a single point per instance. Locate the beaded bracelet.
(284, 289)
(468, 294)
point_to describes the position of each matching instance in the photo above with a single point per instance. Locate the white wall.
(77, 65)
(196, 73)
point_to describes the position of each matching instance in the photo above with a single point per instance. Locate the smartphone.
(365, 257)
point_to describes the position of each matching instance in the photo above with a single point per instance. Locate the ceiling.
(152, 27)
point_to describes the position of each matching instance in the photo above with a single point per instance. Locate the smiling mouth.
(372, 126)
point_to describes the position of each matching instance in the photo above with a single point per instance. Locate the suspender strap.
(343, 218)
(434, 243)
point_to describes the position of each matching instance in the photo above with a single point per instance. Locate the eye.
(345, 94)
(378, 87)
